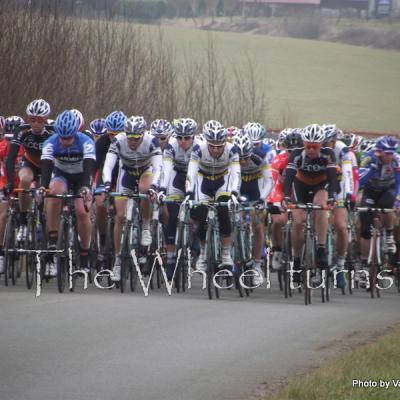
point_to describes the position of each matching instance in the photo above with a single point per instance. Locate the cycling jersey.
(4, 151)
(256, 180)
(380, 177)
(175, 166)
(102, 145)
(346, 162)
(147, 157)
(278, 167)
(214, 177)
(68, 160)
(266, 151)
(312, 172)
(32, 143)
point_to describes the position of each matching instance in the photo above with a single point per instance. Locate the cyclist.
(289, 139)
(32, 141)
(68, 161)
(98, 128)
(233, 131)
(140, 168)
(257, 134)
(81, 122)
(105, 130)
(311, 171)
(214, 173)
(176, 158)
(162, 130)
(380, 180)
(346, 194)
(256, 184)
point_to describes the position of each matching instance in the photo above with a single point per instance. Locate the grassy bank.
(374, 362)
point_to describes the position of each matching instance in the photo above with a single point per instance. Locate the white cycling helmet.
(256, 131)
(313, 133)
(244, 145)
(214, 132)
(38, 108)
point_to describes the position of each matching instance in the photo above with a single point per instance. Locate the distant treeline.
(136, 9)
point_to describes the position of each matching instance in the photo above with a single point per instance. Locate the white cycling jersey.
(146, 156)
(204, 165)
(346, 161)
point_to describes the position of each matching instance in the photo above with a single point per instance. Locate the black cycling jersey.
(311, 171)
(32, 144)
(102, 146)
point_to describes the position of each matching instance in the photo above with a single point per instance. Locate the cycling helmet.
(283, 134)
(79, 117)
(135, 126)
(270, 142)
(232, 132)
(161, 127)
(330, 132)
(50, 122)
(255, 131)
(38, 108)
(185, 127)
(66, 124)
(293, 140)
(244, 145)
(366, 145)
(98, 126)
(2, 122)
(115, 121)
(214, 132)
(10, 123)
(313, 133)
(387, 144)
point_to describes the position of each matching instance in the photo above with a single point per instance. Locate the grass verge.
(372, 363)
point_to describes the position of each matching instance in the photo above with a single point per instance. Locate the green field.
(377, 362)
(309, 81)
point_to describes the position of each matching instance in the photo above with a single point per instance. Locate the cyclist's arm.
(10, 163)
(167, 167)
(193, 169)
(291, 171)
(331, 174)
(347, 176)
(267, 183)
(234, 170)
(89, 162)
(47, 163)
(156, 162)
(366, 171)
(109, 164)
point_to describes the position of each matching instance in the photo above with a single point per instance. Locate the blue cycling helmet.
(66, 124)
(98, 126)
(387, 144)
(115, 121)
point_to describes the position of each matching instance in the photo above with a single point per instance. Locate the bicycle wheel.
(29, 259)
(62, 258)
(9, 247)
(286, 260)
(125, 255)
(210, 263)
(307, 265)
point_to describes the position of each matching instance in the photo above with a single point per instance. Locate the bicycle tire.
(62, 259)
(9, 244)
(29, 259)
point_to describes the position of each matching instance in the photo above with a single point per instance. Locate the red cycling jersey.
(278, 166)
(4, 150)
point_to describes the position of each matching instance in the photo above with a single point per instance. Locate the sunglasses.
(184, 138)
(135, 138)
(114, 133)
(312, 146)
(37, 119)
(162, 138)
(387, 152)
(215, 146)
(66, 138)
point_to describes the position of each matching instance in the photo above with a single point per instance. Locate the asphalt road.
(98, 344)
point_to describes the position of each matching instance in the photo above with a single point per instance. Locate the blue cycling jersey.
(266, 152)
(378, 176)
(69, 159)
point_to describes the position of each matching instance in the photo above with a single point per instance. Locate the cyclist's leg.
(386, 200)
(340, 216)
(58, 185)
(321, 226)
(26, 176)
(101, 218)
(145, 181)
(176, 191)
(3, 222)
